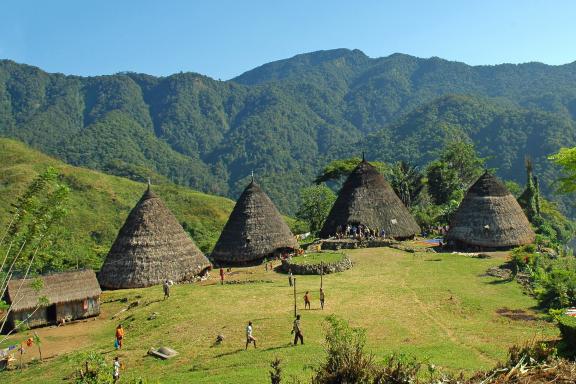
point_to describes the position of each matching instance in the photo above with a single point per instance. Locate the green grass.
(438, 307)
(317, 258)
(100, 203)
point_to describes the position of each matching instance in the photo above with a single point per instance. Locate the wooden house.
(53, 298)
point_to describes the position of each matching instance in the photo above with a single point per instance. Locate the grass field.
(438, 307)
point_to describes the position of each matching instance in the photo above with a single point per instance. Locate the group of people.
(359, 232)
(118, 345)
(439, 230)
(296, 331)
(250, 339)
(307, 299)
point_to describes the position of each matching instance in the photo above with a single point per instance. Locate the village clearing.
(441, 308)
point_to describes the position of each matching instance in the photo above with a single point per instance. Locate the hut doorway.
(51, 314)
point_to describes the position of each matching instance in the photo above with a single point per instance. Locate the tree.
(443, 182)
(407, 181)
(36, 213)
(566, 159)
(530, 198)
(457, 167)
(315, 205)
(341, 168)
(461, 156)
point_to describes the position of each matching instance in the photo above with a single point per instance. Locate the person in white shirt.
(249, 337)
(116, 373)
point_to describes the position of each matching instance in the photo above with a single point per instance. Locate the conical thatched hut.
(151, 247)
(489, 217)
(254, 231)
(366, 198)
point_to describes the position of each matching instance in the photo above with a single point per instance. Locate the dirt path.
(60, 340)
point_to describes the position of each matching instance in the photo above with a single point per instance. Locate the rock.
(502, 273)
(153, 316)
(163, 352)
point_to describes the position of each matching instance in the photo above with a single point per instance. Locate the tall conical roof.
(490, 217)
(151, 246)
(254, 230)
(367, 198)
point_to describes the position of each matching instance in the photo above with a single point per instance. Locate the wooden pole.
(321, 273)
(294, 297)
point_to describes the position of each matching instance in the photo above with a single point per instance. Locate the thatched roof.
(367, 198)
(490, 217)
(254, 230)
(57, 288)
(151, 246)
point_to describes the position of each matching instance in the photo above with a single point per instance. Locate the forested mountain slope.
(285, 119)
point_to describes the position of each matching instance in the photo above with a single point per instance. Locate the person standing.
(307, 300)
(166, 286)
(297, 331)
(321, 298)
(290, 278)
(221, 275)
(119, 336)
(249, 337)
(116, 370)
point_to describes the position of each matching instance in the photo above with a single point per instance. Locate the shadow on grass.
(499, 281)
(230, 353)
(278, 347)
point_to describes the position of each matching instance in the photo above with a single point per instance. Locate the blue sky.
(222, 39)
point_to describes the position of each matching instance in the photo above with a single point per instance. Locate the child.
(249, 337)
(307, 300)
(116, 371)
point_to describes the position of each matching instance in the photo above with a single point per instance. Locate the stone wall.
(316, 269)
(336, 244)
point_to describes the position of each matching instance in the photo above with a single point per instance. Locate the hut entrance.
(51, 314)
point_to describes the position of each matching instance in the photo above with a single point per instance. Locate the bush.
(567, 325)
(556, 288)
(346, 360)
(398, 369)
(524, 257)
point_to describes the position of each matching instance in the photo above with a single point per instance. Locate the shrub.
(276, 371)
(398, 369)
(523, 257)
(567, 325)
(556, 288)
(346, 360)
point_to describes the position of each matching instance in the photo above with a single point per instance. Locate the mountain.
(99, 204)
(285, 119)
(503, 134)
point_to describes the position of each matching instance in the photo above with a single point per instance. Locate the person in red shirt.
(222, 276)
(307, 300)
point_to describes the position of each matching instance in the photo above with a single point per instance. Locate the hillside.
(504, 134)
(282, 120)
(100, 203)
(440, 308)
